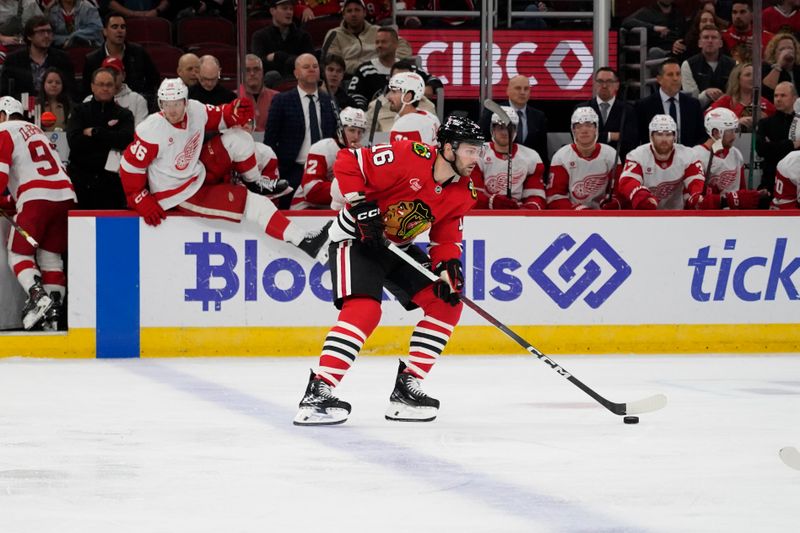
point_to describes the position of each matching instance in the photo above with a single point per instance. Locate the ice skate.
(53, 315)
(319, 407)
(314, 240)
(408, 402)
(270, 187)
(37, 305)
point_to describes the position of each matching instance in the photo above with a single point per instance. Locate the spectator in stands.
(738, 97)
(97, 131)
(141, 73)
(139, 8)
(208, 90)
(54, 99)
(254, 83)
(305, 105)
(781, 63)
(738, 38)
(702, 19)
(332, 82)
(772, 135)
(610, 111)
(665, 28)
(188, 69)
(14, 14)
(354, 40)
(705, 75)
(123, 95)
(783, 17)
(26, 66)
(668, 100)
(75, 23)
(532, 131)
(370, 78)
(279, 44)
(386, 117)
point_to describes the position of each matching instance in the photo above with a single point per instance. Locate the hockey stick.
(645, 405)
(790, 456)
(375, 112)
(493, 106)
(25, 234)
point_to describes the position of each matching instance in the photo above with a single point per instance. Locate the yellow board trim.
(393, 340)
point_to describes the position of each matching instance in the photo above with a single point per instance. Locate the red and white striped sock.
(357, 320)
(431, 334)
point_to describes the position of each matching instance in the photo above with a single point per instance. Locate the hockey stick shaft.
(375, 112)
(27, 236)
(652, 403)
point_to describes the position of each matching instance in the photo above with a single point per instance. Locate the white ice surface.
(207, 445)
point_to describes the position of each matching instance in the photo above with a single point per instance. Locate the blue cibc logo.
(729, 272)
(580, 281)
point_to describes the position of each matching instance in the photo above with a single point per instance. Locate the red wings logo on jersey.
(665, 189)
(724, 180)
(589, 186)
(496, 183)
(187, 154)
(405, 220)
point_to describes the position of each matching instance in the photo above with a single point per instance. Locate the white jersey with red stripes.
(672, 182)
(787, 182)
(727, 168)
(29, 166)
(527, 170)
(420, 126)
(576, 180)
(267, 161)
(169, 155)
(317, 176)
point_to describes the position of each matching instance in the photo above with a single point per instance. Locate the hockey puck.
(631, 419)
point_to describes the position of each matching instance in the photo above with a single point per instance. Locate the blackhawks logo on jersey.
(421, 150)
(405, 220)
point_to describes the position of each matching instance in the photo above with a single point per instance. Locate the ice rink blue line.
(538, 509)
(117, 311)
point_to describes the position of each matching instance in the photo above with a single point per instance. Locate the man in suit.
(532, 131)
(610, 109)
(297, 119)
(772, 135)
(669, 100)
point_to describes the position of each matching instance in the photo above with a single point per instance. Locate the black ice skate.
(408, 402)
(37, 305)
(53, 315)
(269, 187)
(319, 407)
(314, 240)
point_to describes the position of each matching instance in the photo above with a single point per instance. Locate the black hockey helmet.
(458, 129)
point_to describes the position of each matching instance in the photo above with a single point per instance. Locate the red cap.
(113, 62)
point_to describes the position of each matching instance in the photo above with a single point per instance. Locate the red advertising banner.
(559, 64)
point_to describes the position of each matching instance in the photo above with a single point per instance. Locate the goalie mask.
(585, 115)
(722, 120)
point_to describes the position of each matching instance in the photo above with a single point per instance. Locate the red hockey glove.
(709, 201)
(501, 201)
(369, 224)
(148, 207)
(7, 204)
(644, 199)
(610, 203)
(450, 282)
(239, 112)
(744, 199)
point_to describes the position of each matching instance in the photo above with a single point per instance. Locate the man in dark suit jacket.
(292, 115)
(669, 100)
(610, 110)
(38, 36)
(532, 131)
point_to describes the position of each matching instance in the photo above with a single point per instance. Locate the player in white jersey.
(787, 183)
(406, 89)
(583, 173)
(491, 175)
(161, 169)
(661, 174)
(43, 193)
(726, 186)
(314, 191)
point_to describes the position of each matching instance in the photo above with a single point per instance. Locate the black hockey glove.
(369, 224)
(450, 282)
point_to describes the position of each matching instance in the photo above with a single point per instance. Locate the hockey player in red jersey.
(662, 174)
(582, 173)
(43, 193)
(396, 192)
(526, 167)
(161, 169)
(314, 191)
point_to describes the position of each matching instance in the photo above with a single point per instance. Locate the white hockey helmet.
(408, 82)
(172, 89)
(584, 114)
(10, 105)
(663, 123)
(720, 119)
(354, 117)
(512, 116)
